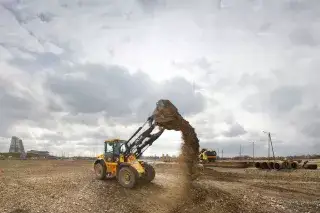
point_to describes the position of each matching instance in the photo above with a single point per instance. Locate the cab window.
(109, 148)
(117, 148)
(122, 148)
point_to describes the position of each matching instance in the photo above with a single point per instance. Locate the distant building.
(39, 153)
(16, 145)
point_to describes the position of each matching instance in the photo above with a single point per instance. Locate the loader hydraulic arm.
(143, 141)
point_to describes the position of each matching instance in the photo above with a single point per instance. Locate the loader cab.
(112, 149)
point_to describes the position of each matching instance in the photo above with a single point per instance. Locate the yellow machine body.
(117, 165)
(112, 166)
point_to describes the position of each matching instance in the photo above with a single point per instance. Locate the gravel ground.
(70, 186)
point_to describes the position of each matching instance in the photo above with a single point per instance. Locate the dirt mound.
(167, 116)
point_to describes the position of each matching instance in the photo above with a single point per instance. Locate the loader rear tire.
(127, 177)
(150, 173)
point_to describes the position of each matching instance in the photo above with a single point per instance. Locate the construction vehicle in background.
(207, 156)
(120, 159)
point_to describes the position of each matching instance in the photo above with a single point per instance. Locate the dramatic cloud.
(114, 90)
(74, 73)
(235, 130)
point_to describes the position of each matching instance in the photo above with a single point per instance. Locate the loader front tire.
(100, 170)
(127, 177)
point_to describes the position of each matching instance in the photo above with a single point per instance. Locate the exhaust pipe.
(257, 165)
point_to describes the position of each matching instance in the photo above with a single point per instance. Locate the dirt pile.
(167, 116)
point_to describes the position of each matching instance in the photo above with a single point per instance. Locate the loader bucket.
(166, 115)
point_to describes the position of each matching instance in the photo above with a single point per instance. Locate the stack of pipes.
(278, 165)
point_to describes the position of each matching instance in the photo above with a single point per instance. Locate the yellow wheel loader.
(120, 157)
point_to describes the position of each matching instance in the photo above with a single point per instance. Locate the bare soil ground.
(70, 186)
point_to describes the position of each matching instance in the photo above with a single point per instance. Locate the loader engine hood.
(101, 156)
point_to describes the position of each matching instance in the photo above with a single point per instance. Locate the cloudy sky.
(73, 73)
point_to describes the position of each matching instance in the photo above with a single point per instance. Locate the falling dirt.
(167, 116)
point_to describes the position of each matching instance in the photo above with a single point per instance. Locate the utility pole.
(252, 151)
(221, 153)
(268, 149)
(240, 151)
(270, 143)
(274, 158)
